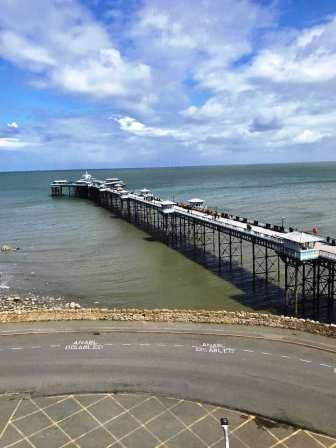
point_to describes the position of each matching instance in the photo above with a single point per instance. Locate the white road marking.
(166, 345)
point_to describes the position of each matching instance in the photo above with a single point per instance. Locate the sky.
(134, 83)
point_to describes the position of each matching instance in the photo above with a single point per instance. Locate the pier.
(298, 267)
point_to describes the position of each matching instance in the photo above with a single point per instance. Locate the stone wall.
(169, 315)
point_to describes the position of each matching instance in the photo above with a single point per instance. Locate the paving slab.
(8, 405)
(141, 421)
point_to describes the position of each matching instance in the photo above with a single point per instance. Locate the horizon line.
(168, 166)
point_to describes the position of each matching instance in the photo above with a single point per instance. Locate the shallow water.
(72, 248)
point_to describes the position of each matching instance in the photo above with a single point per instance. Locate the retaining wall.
(171, 315)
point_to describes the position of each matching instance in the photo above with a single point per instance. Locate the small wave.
(4, 280)
(256, 186)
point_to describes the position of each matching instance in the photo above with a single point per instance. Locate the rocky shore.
(15, 303)
(32, 309)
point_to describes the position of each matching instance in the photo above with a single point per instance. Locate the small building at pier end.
(301, 245)
(196, 202)
(167, 207)
(56, 187)
(146, 194)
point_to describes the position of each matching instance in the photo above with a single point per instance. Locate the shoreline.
(32, 302)
(17, 309)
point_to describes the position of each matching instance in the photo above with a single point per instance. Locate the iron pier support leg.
(154, 221)
(304, 286)
(286, 288)
(180, 231)
(194, 237)
(147, 216)
(128, 210)
(266, 267)
(296, 289)
(331, 293)
(219, 251)
(314, 291)
(291, 293)
(166, 230)
(254, 266)
(203, 241)
(318, 291)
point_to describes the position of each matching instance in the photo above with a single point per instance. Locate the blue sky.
(126, 83)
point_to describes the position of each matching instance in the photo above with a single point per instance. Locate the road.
(274, 378)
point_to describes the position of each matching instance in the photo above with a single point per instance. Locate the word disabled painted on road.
(84, 345)
(214, 348)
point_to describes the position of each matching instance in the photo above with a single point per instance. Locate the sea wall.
(171, 315)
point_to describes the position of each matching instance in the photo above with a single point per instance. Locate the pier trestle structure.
(309, 286)
(304, 287)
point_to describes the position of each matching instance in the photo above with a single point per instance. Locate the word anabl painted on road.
(214, 348)
(84, 345)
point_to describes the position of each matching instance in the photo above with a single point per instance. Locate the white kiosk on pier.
(146, 194)
(196, 202)
(167, 207)
(301, 245)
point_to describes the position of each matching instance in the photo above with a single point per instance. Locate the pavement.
(138, 420)
(285, 376)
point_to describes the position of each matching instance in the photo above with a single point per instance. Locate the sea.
(74, 249)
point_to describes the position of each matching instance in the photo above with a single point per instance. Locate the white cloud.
(68, 48)
(280, 98)
(308, 57)
(12, 143)
(104, 75)
(133, 126)
(308, 136)
(196, 38)
(212, 109)
(19, 50)
(13, 125)
(210, 80)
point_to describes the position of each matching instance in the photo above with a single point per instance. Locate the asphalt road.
(283, 381)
